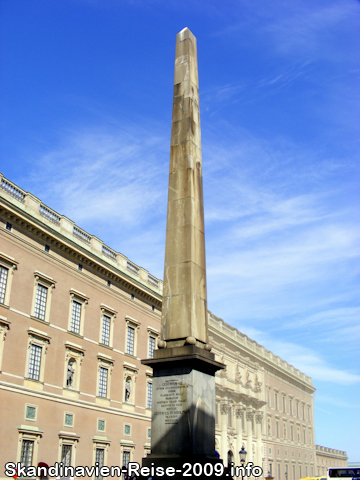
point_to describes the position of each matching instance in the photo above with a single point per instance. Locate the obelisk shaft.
(184, 311)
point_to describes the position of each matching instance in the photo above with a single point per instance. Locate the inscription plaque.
(171, 400)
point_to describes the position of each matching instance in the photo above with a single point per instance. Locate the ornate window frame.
(32, 434)
(81, 298)
(104, 361)
(101, 443)
(10, 264)
(75, 352)
(4, 327)
(40, 339)
(48, 283)
(68, 438)
(152, 334)
(135, 324)
(111, 313)
(127, 446)
(31, 405)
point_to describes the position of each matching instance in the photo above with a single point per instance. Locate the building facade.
(76, 318)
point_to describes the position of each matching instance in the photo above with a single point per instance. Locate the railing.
(108, 252)
(153, 281)
(81, 235)
(10, 188)
(49, 214)
(132, 268)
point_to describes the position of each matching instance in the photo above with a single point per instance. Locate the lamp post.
(242, 454)
(269, 476)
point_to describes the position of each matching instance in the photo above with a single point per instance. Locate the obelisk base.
(183, 411)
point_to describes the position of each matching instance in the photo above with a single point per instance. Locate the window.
(149, 433)
(40, 302)
(277, 429)
(149, 395)
(103, 378)
(105, 365)
(43, 288)
(66, 452)
(78, 302)
(292, 433)
(297, 409)
(127, 429)
(279, 470)
(101, 425)
(28, 446)
(27, 449)
(34, 362)
(268, 398)
(303, 412)
(276, 401)
(108, 316)
(47, 248)
(304, 437)
(130, 340)
(75, 317)
(125, 458)
(69, 420)
(8, 226)
(105, 331)
(99, 459)
(290, 406)
(30, 412)
(132, 327)
(3, 279)
(7, 267)
(309, 418)
(284, 404)
(151, 346)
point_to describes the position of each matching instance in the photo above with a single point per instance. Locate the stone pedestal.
(183, 410)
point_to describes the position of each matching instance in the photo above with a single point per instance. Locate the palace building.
(77, 318)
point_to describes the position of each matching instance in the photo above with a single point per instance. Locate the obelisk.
(183, 410)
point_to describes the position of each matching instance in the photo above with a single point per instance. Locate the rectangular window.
(3, 279)
(69, 420)
(297, 409)
(309, 414)
(303, 412)
(103, 378)
(105, 332)
(279, 470)
(66, 455)
(293, 472)
(284, 405)
(101, 425)
(125, 459)
(304, 437)
(27, 449)
(34, 362)
(268, 398)
(149, 395)
(75, 317)
(290, 406)
(30, 413)
(291, 433)
(276, 401)
(40, 302)
(130, 340)
(229, 418)
(99, 458)
(277, 429)
(151, 347)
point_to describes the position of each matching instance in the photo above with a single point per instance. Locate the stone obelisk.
(183, 410)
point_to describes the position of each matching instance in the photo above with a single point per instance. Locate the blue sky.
(86, 102)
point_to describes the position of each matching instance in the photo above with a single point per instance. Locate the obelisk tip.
(184, 34)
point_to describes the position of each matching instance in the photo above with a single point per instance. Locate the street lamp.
(242, 454)
(269, 476)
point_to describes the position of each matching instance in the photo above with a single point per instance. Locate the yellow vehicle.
(314, 478)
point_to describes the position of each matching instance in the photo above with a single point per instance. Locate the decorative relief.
(259, 418)
(238, 374)
(239, 412)
(257, 386)
(224, 408)
(247, 380)
(249, 416)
